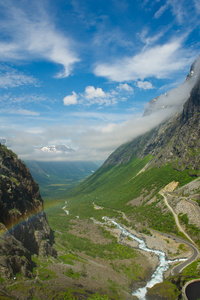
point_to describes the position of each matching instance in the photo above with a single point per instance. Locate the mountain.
(57, 148)
(57, 177)
(133, 174)
(136, 186)
(24, 226)
(130, 185)
(175, 142)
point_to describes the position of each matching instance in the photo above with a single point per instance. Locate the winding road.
(177, 269)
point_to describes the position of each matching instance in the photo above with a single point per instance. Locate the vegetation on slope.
(114, 186)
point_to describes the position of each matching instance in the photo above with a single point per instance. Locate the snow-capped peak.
(57, 148)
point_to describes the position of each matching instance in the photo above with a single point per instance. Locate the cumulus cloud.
(92, 93)
(33, 36)
(159, 61)
(97, 96)
(125, 87)
(144, 85)
(71, 99)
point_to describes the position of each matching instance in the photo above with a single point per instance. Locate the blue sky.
(81, 72)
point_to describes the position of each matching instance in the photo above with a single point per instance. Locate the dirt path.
(176, 218)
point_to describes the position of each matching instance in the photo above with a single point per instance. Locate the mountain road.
(177, 269)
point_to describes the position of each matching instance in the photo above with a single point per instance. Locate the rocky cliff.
(175, 141)
(24, 229)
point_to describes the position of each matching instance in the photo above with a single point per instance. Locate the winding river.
(163, 266)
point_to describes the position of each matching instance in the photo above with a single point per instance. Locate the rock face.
(175, 141)
(24, 226)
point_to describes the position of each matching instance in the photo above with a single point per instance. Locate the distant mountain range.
(57, 148)
(59, 176)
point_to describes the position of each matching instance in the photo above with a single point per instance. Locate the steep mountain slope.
(136, 171)
(175, 141)
(24, 226)
(126, 188)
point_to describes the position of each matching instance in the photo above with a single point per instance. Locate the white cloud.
(71, 99)
(147, 39)
(97, 96)
(197, 5)
(92, 93)
(181, 10)
(144, 85)
(125, 87)
(9, 77)
(159, 61)
(31, 98)
(22, 112)
(25, 112)
(161, 10)
(33, 36)
(96, 141)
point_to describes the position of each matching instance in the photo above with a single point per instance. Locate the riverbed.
(163, 266)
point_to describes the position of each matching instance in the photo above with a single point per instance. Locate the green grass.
(69, 296)
(192, 271)
(171, 288)
(193, 230)
(70, 273)
(112, 187)
(69, 258)
(168, 290)
(41, 269)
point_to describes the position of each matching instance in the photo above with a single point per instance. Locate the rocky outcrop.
(24, 226)
(14, 258)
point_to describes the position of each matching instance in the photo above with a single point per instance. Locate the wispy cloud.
(159, 61)
(161, 10)
(197, 5)
(24, 99)
(182, 10)
(148, 39)
(10, 77)
(33, 36)
(24, 112)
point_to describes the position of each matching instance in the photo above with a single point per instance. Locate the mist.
(97, 142)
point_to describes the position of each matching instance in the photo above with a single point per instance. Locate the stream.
(158, 275)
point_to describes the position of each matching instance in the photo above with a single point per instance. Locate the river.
(163, 266)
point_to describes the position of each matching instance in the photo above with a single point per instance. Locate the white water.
(164, 265)
(64, 208)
